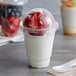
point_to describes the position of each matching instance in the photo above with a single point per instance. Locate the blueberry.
(11, 14)
(17, 14)
(14, 10)
(9, 10)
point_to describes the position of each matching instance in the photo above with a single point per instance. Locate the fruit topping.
(38, 21)
(10, 25)
(33, 21)
(10, 18)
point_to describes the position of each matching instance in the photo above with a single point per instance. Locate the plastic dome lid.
(40, 15)
(39, 22)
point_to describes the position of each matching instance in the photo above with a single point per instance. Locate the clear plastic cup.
(39, 48)
(10, 16)
(39, 44)
(68, 14)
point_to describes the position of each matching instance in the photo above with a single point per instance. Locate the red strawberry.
(9, 30)
(41, 27)
(12, 28)
(33, 21)
(39, 14)
(10, 18)
(32, 13)
(40, 22)
(10, 25)
(5, 30)
(44, 20)
(0, 22)
(26, 21)
(16, 21)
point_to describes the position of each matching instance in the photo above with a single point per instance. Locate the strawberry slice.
(16, 21)
(39, 14)
(41, 27)
(14, 24)
(44, 20)
(10, 25)
(12, 28)
(40, 22)
(33, 21)
(0, 22)
(26, 21)
(32, 13)
(11, 19)
(6, 30)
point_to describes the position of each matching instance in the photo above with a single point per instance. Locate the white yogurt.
(39, 49)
